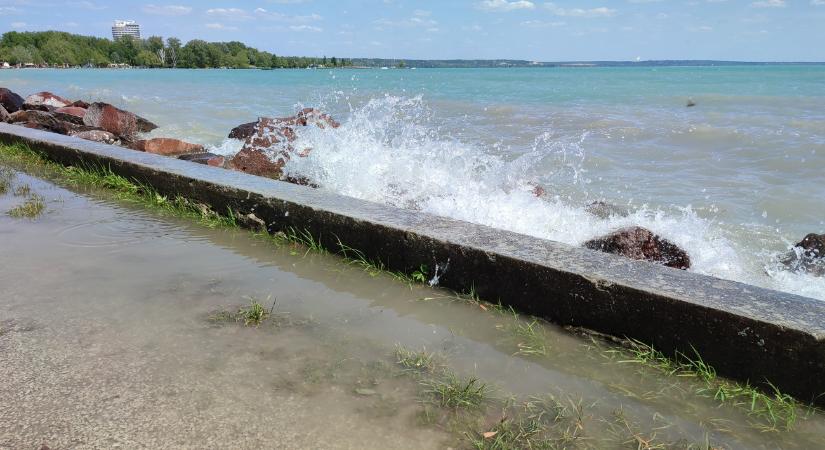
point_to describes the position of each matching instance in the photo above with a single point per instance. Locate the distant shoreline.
(469, 64)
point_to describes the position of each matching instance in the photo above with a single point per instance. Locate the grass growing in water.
(30, 209)
(452, 391)
(22, 190)
(774, 410)
(420, 361)
(253, 314)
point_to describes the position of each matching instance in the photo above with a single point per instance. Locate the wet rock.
(807, 256)
(143, 125)
(167, 147)
(47, 99)
(642, 244)
(538, 191)
(312, 116)
(11, 101)
(243, 131)
(269, 145)
(690, 103)
(256, 162)
(206, 158)
(96, 136)
(4, 115)
(604, 210)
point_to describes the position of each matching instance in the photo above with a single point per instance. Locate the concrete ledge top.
(785, 310)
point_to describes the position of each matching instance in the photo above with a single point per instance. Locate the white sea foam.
(391, 150)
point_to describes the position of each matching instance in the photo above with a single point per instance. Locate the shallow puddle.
(118, 329)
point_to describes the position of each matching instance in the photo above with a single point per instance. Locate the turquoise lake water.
(735, 180)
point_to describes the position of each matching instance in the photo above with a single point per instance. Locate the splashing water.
(392, 151)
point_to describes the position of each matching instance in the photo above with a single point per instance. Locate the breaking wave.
(394, 150)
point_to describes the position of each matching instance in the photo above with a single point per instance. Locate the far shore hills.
(57, 49)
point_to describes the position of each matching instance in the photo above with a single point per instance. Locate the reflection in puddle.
(120, 327)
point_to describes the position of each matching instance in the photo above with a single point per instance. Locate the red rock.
(604, 210)
(79, 104)
(255, 162)
(311, 116)
(209, 159)
(642, 244)
(72, 110)
(114, 120)
(96, 136)
(48, 99)
(167, 147)
(11, 101)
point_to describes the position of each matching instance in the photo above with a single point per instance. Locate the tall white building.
(125, 28)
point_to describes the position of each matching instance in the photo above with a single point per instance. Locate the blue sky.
(763, 30)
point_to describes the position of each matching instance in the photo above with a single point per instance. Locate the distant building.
(125, 28)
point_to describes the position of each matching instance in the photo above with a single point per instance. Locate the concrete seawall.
(745, 332)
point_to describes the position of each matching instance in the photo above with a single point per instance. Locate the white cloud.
(412, 22)
(18, 25)
(504, 5)
(769, 4)
(309, 28)
(229, 13)
(86, 5)
(580, 12)
(276, 16)
(220, 26)
(700, 29)
(542, 24)
(167, 10)
(9, 10)
(818, 2)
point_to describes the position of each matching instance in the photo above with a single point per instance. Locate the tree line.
(56, 47)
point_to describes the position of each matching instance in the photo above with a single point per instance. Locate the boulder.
(268, 145)
(112, 119)
(47, 99)
(243, 131)
(4, 115)
(807, 256)
(311, 116)
(18, 116)
(46, 121)
(143, 125)
(167, 147)
(96, 136)
(45, 108)
(642, 244)
(72, 110)
(256, 162)
(11, 101)
(604, 210)
(79, 104)
(206, 158)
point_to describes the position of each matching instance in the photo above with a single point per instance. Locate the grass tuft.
(30, 209)
(451, 391)
(412, 361)
(22, 190)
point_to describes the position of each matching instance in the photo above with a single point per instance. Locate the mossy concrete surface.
(745, 332)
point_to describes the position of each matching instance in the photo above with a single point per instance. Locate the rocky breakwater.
(268, 142)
